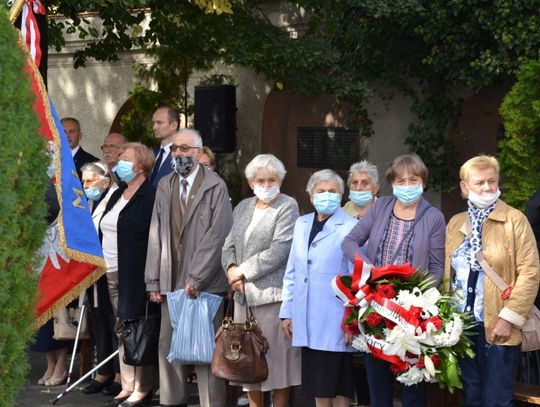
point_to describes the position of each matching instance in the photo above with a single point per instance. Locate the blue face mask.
(409, 194)
(124, 170)
(361, 198)
(93, 193)
(326, 203)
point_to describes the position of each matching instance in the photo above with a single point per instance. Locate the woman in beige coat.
(503, 236)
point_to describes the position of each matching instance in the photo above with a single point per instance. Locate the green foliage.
(23, 163)
(422, 49)
(520, 147)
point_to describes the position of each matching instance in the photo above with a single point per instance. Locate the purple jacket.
(428, 236)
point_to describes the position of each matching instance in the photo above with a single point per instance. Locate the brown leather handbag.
(240, 354)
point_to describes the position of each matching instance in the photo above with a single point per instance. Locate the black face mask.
(183, 165)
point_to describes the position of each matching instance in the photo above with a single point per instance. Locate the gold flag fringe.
(70, 296)
(73, 254)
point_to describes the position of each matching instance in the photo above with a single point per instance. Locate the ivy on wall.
(520, 148)
(423, 49)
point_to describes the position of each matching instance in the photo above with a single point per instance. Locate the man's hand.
(238, 286)
(155, 296)
(286, 325)
(191, 291)
(501, 332)
(348, 339)
(234, 274)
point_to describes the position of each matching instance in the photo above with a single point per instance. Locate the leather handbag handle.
(250, 319)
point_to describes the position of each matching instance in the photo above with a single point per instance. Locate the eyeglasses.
(109, 147)
(183, 148)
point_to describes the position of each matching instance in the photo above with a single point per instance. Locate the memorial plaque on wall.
(327, 147)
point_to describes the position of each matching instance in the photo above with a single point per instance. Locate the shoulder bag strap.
(398, 250)
(493, 276)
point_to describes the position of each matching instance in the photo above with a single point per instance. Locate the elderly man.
(165, 123)
(192, 216)
(111, 147)
(72, 128)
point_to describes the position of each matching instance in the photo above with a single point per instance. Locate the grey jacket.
(208, 223)
(264, 258)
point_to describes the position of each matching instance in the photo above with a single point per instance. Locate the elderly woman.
(254, 255)
(363, 184)
(124, 228)
(98, 183)
(309, 306)
(207, 158)
(398, 229)
(490, 237)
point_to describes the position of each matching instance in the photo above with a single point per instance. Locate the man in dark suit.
(532, 212)
(72, 128)
(165, 123)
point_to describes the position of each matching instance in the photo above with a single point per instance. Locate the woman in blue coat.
(310, 312)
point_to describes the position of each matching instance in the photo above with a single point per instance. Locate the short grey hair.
(197, 139)
(367, 168)
(99, 168)
(268, 162)
(324, 176)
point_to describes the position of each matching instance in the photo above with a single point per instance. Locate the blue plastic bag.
(193, 330)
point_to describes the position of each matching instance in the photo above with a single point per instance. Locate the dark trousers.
(487, 378)
(361, 381)
(103, 321)
(380, 380)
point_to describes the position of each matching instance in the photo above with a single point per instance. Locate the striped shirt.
(396, 230)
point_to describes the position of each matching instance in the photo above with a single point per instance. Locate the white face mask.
(485, 200)
(266, 194)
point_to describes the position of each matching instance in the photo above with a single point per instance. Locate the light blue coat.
(308, 298)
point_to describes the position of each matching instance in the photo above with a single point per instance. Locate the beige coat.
(509, 247)
(207, 225)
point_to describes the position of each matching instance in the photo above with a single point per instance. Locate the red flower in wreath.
(373, 319)
(416, 311)
(386, 290)
(436, 360)
(436, 321)
(389, 324)
(420, 364)
(398, 369)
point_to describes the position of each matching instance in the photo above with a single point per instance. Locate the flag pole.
(15, 10)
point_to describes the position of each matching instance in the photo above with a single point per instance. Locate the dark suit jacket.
(532, 212)
(132, 228)
(166, 168)
(82, 157)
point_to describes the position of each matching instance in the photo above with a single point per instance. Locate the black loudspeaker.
(215, 116)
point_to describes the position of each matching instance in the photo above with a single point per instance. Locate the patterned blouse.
(395, 231)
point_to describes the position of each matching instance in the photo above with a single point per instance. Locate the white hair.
(267, 162)
(197, 139)
(324, 176)
(98, 168)
(367, 168)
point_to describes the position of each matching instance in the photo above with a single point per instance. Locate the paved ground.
(32, 395)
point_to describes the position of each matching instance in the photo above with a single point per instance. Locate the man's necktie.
(157, 165)
(183, 195)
